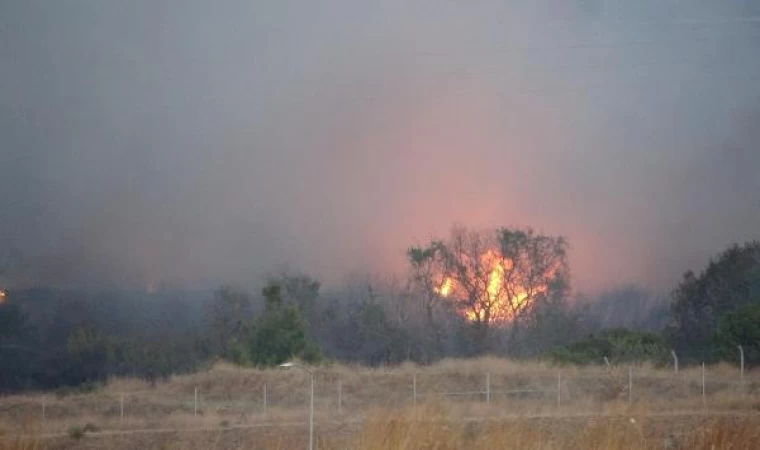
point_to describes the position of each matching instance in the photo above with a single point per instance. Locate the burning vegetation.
(491, 277)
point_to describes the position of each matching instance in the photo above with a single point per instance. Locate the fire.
(446, 287)
(502, 308)
(2, 296)
(494, 282)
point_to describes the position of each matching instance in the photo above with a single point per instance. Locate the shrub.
(618, 345)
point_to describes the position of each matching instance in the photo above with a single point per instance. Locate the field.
(481, 403)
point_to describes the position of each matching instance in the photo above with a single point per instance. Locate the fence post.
(264, 398)
(414, 390)
(741, 358)
(43, 411)
(121, 408)
(488, 388)
(704, 394)
(340, 396)
(559, 388)
(675, 360)
(630, 385)
(195, 403)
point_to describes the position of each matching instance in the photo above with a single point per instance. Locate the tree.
(277, 335)
(729, 283)
(492, 276)
(427, 278)
(12, 321)
(227, 315)
(90, 354)
(534, 269)
(20, 358)
(740, 327)
(301, 290)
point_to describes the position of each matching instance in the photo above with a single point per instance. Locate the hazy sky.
(193, 142)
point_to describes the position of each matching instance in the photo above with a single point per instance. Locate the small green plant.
(76, 433)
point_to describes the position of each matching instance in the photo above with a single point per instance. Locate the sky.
(192, 143)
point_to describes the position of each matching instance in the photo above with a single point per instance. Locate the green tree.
(729, 283)
(277, 335)
(740, 327)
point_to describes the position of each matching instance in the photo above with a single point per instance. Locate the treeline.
(709, 316)
(52, 338)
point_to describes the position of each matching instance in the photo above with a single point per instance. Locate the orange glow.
(2, 296)
(496, 303)
(446, 288)
(494, 282)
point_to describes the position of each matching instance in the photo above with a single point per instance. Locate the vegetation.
(431, 429)
(277, 335)
(492, 276)
(618, 346)
(729, 283)
(502, 292)
(378, 413)
(740, 328)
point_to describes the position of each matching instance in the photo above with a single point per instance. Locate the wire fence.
(347, 397)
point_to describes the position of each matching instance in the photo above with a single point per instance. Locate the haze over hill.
(191, 143)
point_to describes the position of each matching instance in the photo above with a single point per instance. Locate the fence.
(271, 397)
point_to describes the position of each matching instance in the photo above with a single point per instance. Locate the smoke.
(190, 143)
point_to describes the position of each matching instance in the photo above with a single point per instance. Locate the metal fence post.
(414, 390)
(559, 388)
(195, 403)
(741, 358)
(265, 397)
(488, 388)
(704, 394)
(43, 411)
(675, 360)
(340, 396)
(630, 385)
(121, 408)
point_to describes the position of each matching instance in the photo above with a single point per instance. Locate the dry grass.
(429, 429)
(231, 399)
(27, 438)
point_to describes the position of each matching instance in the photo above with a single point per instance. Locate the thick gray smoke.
(192, 142)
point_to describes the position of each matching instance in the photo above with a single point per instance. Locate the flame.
(494, 282)
(2, 296)
(446, 287)
(502, 308)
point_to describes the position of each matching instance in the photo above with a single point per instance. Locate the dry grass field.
(476, 404)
